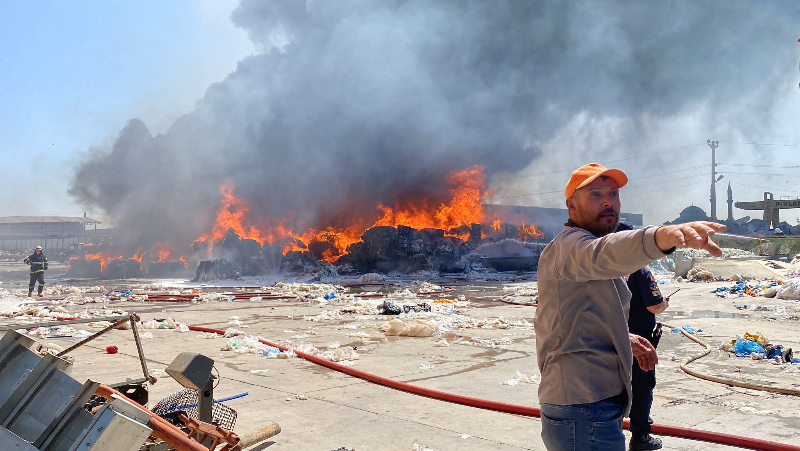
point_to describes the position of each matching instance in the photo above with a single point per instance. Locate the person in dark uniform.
(38, 264)
(646, 302)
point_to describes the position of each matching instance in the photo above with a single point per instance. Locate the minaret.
(730, 203)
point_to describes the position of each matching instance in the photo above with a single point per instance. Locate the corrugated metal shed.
(47, 219)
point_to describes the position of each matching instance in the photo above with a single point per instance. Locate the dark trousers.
(643, 383)
(37, 277)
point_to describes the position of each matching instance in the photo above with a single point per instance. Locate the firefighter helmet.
(37, 248)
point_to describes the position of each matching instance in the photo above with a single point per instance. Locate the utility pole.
(713, 145)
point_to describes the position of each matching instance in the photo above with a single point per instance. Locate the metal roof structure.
(46, 219)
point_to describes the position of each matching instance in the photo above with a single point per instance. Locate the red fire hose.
(661, 429)
(169, 433)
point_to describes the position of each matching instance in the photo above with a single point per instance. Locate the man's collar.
(571, 223)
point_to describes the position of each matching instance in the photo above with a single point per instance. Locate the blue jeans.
(583, 427)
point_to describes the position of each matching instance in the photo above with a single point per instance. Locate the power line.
(764, 187)
(763, 143)
(688, 146)
(647, 177)
(638, 192)
(761, 173)
(758, 165)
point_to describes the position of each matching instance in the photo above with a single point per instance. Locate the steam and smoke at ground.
(352, 104)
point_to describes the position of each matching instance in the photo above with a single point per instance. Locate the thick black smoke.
(354, 103)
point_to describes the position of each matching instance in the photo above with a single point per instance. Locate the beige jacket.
(581, 323)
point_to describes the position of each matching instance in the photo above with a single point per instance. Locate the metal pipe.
(93, 336)
(134, 319)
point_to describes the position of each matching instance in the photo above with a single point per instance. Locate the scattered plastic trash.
(760, 339)
(791, 369)
(520, 378)
(742, 288)
(258, 371)
(416, 328)
(687, 328)
(700, 274)
(271, 352)
(148, 335)
(390, 308)
(743, 347)
(112, 350)
(422, 307)
(182, 328)
(790, 290)
(81, 334)
(426, 366)
(329, 296)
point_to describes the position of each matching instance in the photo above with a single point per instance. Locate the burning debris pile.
(109, 265)
(421, 234)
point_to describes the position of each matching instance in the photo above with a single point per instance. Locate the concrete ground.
(342, 411)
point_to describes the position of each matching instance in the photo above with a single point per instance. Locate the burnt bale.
(220, 269)
(272, 257)
(325, 272)
(388, 249)
(299, 262)
(122, 269)
(230, 242)
(322, 249)
(475, 233)
(446, 257)
(431, 235)
(83, 268)
(166, 269)
(249, 249)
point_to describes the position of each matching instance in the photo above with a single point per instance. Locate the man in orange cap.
(584, 351)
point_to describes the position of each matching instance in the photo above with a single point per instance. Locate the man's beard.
(596, 227)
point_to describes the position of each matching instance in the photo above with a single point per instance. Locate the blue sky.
(72, 73)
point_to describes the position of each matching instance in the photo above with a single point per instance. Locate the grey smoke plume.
(355, 103)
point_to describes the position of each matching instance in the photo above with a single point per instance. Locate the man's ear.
(571, 205)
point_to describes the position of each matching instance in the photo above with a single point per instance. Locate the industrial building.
(51, 232)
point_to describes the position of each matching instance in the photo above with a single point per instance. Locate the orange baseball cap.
(588, 172)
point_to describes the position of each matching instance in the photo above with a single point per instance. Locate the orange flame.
(528, 232)
(161, 252)
(464, 208)
(497, 224)
(103, 257)
(232, 215)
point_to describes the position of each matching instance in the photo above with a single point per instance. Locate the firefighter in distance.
(38, 264)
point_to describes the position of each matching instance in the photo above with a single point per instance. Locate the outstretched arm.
(692, 234)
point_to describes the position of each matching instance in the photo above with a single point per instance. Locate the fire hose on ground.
(723, 380)
(685, 364)
(675, 431)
